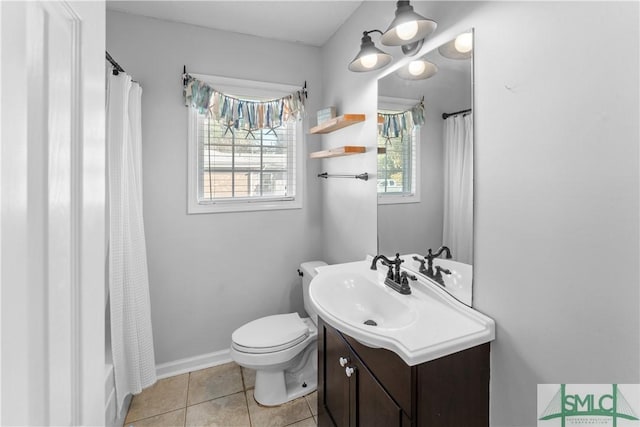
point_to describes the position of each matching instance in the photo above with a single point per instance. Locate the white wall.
(211, 273)
(556, 201)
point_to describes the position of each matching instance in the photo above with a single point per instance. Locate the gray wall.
(556, 224)
(211, 273)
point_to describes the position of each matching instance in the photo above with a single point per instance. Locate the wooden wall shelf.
(346, 150)
(337, 123)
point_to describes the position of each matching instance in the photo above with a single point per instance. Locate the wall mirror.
(425, 162)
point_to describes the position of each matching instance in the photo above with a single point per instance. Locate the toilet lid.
(271, 333)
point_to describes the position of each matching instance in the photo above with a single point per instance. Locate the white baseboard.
(189, 364)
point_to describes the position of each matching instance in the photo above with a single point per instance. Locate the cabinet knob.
(349, 371)
(343, 361)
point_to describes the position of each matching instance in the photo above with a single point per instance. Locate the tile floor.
(219, 396)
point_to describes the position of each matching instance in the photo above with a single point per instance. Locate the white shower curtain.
(131, 336)
(457, 231)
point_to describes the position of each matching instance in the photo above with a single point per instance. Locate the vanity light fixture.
(370, 57)
(408, 29)
(418, 70)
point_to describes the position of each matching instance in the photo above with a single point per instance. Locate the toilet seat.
(270, 334)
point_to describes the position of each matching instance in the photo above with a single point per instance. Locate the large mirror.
(425, 164)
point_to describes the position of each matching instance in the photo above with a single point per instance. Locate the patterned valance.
(242, 113)
(394, 124)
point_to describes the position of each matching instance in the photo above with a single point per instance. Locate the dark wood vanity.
(382, 390)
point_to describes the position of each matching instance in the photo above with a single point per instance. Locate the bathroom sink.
(425, 325)
(350, 296)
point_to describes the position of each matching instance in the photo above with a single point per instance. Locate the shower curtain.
(131, 335)
(457, 231)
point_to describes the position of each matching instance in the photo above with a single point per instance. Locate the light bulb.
(464, 42)
(417, 67)
(408, 30)
(369, 61)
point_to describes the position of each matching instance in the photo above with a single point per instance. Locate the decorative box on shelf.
(326, 114)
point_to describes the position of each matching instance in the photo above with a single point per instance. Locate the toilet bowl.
(282, 349)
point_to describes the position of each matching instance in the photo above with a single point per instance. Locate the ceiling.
(307, 22)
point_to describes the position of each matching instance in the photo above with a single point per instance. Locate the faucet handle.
(422, 269)
(405, 289)
(440, 270)
(390, 271)
(438, 276)
(406, 276)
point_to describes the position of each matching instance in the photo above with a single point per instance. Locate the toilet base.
(277, 387)
(273, 390)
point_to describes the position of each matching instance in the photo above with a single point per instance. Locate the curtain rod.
(446, 115)
(185, 80)
(116, 67)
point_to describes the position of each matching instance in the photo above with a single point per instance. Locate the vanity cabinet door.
(349, 394)
(335, 386)
(374, 407)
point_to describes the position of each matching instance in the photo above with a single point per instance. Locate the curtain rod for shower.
(116, 67)
(446, 115)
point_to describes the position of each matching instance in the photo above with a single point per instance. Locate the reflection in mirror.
(425, 164)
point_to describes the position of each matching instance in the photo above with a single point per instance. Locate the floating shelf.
(338, 123)
(346, 150)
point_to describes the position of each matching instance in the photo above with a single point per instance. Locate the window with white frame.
(398, 153)
(240, 168)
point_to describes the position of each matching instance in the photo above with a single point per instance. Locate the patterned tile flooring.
(219, 396)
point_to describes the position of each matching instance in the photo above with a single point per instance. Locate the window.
(232, 168)
(397, 161)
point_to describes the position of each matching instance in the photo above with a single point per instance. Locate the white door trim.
(52, 212)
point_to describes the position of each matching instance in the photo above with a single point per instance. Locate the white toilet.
(282, 350)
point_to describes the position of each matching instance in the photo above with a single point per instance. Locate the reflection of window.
(397, 165)
(233, 168)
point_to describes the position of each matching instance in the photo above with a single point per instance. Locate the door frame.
(52, 217)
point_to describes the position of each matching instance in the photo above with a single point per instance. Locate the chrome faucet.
(395, 279)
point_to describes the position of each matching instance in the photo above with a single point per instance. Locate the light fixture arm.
(366, 33)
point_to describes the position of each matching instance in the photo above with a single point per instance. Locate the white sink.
(350, 296)
(425, 325)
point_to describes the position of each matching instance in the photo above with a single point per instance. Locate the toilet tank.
(308, 270)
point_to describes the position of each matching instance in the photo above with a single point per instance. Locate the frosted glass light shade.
(418, 70)
(464, 42)
(407, 27)
(416, 67)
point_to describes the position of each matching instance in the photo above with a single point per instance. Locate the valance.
(394, 124)
(242, 113)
